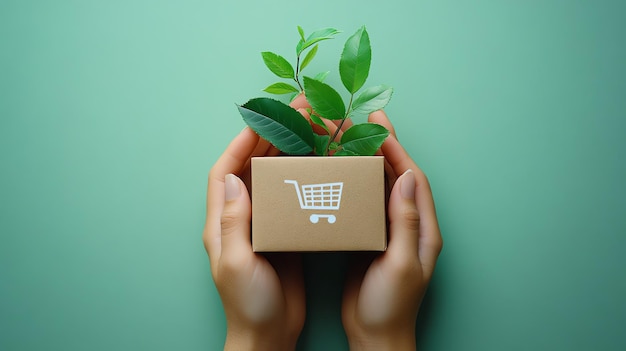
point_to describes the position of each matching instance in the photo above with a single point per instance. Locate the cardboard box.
(318, 204)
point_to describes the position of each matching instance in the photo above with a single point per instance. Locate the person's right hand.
(382, 296)
(262, 294)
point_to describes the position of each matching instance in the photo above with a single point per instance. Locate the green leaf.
(354, 65)
(281, 88)
(279, 124)
(364, 139)
(301, 31)
(334, 145)
(317, 120)
(321, 141)
(278, 65)
(315, 37)
(309, 56)
(325, 100)
(372, 99)
(345, 152)
(322, 34)
(299, 48)
(293, 97)
(321, 76)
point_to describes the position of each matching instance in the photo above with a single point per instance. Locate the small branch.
(343, 120)
(297, 77)
(299, 85)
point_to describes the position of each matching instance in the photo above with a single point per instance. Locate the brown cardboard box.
(318, 204)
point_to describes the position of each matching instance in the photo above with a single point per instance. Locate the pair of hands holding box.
(264, 295)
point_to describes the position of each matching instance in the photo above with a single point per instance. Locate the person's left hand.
(263, 295)
(383, 294)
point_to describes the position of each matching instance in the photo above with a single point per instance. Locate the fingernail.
(407, 188)
(232, 187)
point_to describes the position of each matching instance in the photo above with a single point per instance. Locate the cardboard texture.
(318, 204)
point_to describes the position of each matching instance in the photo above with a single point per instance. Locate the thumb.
(404, 218)
(235, 218)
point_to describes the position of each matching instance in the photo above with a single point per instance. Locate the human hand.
(263, 295)
(382, 295)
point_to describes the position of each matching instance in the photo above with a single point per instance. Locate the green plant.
(290, 132)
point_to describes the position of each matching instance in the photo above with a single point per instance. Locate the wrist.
(382, 341)
(272, 339)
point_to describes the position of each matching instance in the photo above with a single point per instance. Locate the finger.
(288, 267)
(316, 128)
(404, 219)
(333, 129)
(431, 242)
(380, 117)
(235, 220)
(300, 102)
(261, 148)
(347, 123)
(398, 158)
(430, 236)
(390, 179)
(390, 174)
(331, 126)
(233, 160)
(272, 151)
(359, 264)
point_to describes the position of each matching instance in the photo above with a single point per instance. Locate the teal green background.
(112, 113)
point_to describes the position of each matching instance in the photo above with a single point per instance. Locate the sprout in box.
(290, 132)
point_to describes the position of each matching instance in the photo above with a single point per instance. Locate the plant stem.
(297, 77)
(343, 120)
(299, 85)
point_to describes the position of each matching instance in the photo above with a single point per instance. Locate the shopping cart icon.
(325, 196)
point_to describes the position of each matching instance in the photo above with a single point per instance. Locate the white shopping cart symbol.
(326, 196)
